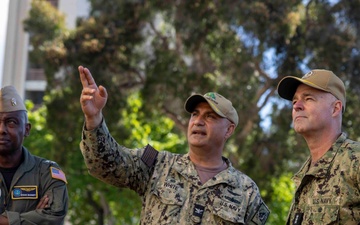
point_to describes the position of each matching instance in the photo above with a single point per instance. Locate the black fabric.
(149, 156)
(8, 173)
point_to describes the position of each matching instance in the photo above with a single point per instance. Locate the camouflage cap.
(218, 103)
(324, 80)
(10, 100)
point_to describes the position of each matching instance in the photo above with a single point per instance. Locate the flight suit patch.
(58, 174)
(24, 192)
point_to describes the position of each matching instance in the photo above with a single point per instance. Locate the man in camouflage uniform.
(32, 189)
(200, 187)
(328, 184)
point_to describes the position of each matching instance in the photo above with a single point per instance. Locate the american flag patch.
(149, 156)
(58, 174)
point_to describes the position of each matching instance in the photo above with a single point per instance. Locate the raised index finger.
(86, 78)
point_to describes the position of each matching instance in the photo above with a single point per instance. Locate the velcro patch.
(198, 210)
(58, 174)
(24, 192)
(149, 156)
(261, 215)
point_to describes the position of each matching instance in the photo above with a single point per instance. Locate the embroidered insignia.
(307, 75)
(149, 156)
(58, 174)
(198, 210)
(24, 192)
(211, 95)
(13, 102)
(261, 215)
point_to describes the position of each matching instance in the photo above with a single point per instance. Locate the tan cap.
(10, 100)
(218, 103)
(324, 80)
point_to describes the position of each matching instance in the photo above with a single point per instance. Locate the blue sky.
(4, 5)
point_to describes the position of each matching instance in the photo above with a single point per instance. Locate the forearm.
(110, 162)
(4, 220)
(51, 209)
(93, 121)
(34, 217)
(98, 144)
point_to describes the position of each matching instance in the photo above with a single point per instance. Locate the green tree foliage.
(39, 142)
(151, 55)
(283, 190)
(46, 29)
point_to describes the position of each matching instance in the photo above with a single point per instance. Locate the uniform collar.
(186, 168)
(29, 161)
(322, 166)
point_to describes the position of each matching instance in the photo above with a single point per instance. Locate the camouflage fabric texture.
(329, 192)
(169, 186)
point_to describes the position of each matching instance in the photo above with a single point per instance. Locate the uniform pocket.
(169, 197)
(57, 199)
(228, 212)
(321, 214)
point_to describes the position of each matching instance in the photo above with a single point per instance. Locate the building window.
(35, 96)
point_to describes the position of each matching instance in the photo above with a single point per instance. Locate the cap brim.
(288, 85)
(192, 102)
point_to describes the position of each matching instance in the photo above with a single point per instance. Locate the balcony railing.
(35, 74)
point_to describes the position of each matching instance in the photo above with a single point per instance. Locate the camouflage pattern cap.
(324, 80)
(218, 103)
(10, 100)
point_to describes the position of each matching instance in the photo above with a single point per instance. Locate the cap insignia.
(211, 95)
(13, 102)
(307, 75)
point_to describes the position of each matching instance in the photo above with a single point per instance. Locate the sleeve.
(54, 186)
(257, 212)
(115, 164)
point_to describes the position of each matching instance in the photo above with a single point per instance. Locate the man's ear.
(230, 130)
(338, 107)
(27, 129)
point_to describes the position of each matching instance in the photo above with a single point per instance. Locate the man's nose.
(199, 121)
(3, 128)
(298, 105)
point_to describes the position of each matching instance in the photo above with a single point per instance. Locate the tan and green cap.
(10, 100)
(222, 106)
(324, 80)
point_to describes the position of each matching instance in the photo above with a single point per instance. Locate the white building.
(17, 71)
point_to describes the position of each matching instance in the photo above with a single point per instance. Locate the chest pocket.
(321, 214)
(228, 211)
(169, 197)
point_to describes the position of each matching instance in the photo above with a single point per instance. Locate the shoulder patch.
(149, 156)
(57, 174)
(261, 215)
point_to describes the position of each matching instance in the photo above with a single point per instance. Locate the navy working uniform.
(328, 184)
(329, 191)
(169, 185)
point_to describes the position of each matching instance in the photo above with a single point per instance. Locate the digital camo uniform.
(34, 178)
(169, 186)
(329, 193)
